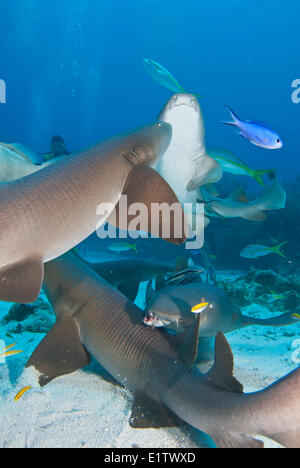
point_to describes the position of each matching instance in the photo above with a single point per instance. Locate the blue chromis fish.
(120, 247)
(163, 77)
(231, 164)
(258, 250)
(258, 133)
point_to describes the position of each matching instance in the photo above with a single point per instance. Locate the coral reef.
(36, 318)
(264, 287)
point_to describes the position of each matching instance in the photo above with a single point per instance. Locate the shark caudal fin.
(22, 282)
(282, 420)
(278, 406)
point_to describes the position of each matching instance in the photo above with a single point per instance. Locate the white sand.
(85, 410)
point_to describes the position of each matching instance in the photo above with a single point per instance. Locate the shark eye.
(278, 141)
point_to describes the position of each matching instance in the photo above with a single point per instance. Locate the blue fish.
(258, 133)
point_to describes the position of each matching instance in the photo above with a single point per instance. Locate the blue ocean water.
(75, 68)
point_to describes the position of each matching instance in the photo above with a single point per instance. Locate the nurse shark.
(126, 274)
(186, 165)
(95, 319)
(171, 307)
(47, 213)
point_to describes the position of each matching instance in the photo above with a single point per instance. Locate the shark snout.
(188, 100)
(151, 321)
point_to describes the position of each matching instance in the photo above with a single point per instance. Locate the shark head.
(186, 165)
(183, 112)
(148, 144)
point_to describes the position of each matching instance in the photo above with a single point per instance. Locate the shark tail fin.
(278, 407)
(283, 396)
(260, 173)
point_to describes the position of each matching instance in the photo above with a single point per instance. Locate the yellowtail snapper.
(258, 250)
(163, 77)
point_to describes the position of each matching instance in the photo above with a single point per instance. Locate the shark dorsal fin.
(189, 344)
(221, 375)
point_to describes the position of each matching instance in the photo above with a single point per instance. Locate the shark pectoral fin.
(207, 172)
(210, 188)
(147, 190)
(22, 282)
(130, 288)
(221, 375)
(149, 413)
(188, 349)
(255, 215)
(231, 440)
(61, 352)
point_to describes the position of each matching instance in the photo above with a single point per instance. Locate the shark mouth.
(151, 321)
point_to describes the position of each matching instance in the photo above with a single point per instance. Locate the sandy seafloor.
(85, 410)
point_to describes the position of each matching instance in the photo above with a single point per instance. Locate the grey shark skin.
(126, 274)
(171, 307)
(273, 198)
(93, 318)
(47, 213)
